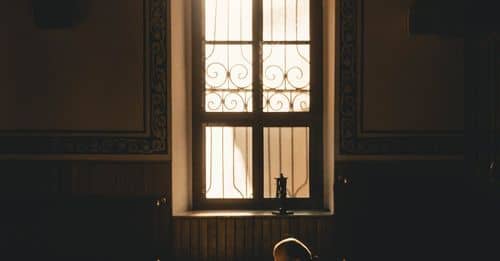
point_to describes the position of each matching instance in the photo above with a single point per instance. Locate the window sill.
(251, 213)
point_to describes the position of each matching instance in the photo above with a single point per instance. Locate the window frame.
(257, 119)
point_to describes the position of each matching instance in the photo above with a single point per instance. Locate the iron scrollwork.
(286, 89)
(228, 87)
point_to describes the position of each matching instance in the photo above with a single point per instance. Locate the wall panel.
(249, 238)
(397, 93)
(99, 86)
(400, 210)
(64, 210)
(88, 178)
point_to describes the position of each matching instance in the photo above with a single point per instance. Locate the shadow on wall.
(57, 14)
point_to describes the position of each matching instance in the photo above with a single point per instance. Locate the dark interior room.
(249, 130)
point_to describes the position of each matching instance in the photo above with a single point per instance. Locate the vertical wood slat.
(248, 238)
(276, 230)
(312, 233)
(221, 238)
(177, 239)
(285, 230)
(249, 252)
(212, 239)
(194, 248)
(257, 237)
(185, 238)
(204, 239)
(294, 227)
(239, 238)
(325, 239)
(266, 247)
(230, 239)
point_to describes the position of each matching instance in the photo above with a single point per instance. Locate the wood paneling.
(84, 210)
(249, 238)
(94, 178)
(402, 210)
(83, 228)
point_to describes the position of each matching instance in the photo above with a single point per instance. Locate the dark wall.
(401, 187)
(397, 93)
(410, 82)
(399, 97)
(65, 78)
(86, 82)
(84, 210)
(398, 210)
(25, 179)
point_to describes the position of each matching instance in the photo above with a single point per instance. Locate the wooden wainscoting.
(89, 210)
(84, 178)
(85, 228)
(248, 237)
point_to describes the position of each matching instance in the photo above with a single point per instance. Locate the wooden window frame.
(257, 119)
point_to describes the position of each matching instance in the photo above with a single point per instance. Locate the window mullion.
(258, 137)
(257, 56)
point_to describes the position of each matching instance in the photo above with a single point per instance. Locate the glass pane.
(286, 150)
(228, 20)
(286, 20)
(286, 78)
(228, 160)
(228, 78)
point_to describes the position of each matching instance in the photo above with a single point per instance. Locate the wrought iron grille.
(286, 150)
(257, 110)
(228, 162)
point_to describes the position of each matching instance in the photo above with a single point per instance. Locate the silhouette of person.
(291, 249)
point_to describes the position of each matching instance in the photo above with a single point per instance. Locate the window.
(257, 103)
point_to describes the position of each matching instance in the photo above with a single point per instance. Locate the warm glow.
(284, 79)
(228, 78)
(228, 20)
(228, 162)
(286, 20)
(286, 151)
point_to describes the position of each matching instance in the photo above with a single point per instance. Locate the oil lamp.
(281, 195)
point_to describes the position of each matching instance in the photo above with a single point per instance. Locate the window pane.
(286, 150)
(286, 78)
(286, 20)
(228, 160)
(228, 78)
(228, 20)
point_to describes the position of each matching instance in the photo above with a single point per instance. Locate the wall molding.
(154, 140)
(352, 138)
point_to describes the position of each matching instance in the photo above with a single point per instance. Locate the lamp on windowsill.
(281, 195)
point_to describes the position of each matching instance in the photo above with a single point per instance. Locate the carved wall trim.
(352, 140)
(152, 141)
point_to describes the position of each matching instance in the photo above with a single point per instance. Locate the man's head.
(291, 249)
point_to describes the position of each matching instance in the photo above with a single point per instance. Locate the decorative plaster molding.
(153, 141)
(349, 90)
